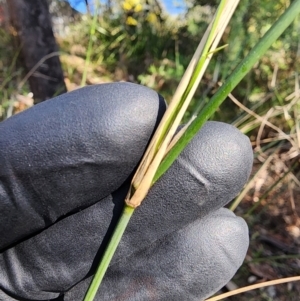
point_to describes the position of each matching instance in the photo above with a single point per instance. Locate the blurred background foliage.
(139, 41)
(143, 42)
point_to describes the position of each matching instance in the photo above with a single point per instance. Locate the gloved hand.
(65, 167)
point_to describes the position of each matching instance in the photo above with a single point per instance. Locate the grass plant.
(156, 151)
(90, 44)
(159, 156)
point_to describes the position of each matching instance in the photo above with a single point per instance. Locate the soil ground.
(274, 226)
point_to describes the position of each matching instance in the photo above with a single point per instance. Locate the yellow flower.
(132, 4)
(251, 28)
(138, 8)
(131, 21)
(151, 18)
(126, 5)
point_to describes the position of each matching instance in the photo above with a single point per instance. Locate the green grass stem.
(109, 252)
(90, 45)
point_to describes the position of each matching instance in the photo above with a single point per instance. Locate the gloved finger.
(190, 264)
(208, 174)
(69, 152)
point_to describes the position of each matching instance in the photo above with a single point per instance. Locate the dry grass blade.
(297, 111)
(261, 119)
(180, 133)
(251, 183)
(253, 287)
(258, 148)
(159, 144)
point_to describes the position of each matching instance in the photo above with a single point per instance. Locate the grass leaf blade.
(238, 74)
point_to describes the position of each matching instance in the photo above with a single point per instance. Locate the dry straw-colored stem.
(253, 287)
(159, 145)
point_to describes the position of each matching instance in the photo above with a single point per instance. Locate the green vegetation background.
(140, 42)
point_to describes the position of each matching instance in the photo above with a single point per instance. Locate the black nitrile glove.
(65, 167)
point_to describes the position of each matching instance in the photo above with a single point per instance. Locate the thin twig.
(36, 66)
(253, 287)
(260, 131)
(251, 183)
(259, 118)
